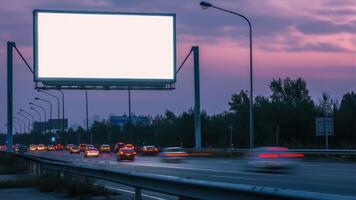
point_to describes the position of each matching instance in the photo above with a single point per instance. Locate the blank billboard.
(74, 48)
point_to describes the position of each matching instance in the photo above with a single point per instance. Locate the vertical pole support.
(197, 98)
(10, 46)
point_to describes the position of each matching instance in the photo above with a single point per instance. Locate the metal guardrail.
(182, 187)
(304, 151)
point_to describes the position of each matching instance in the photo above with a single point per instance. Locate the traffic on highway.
(230, 99)
(267, 166)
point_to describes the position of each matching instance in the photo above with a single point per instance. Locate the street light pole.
(38, 113)
(29, 114)
(206, 5)
(62, 110)
(23, 123)
(87, 116)
(44, 111)
(58, 107)
(28, 119)
(50, 111)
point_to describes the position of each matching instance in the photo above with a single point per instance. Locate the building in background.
(124, 119)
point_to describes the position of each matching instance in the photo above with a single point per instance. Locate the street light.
(23, 123)
(205, 5)
(39, 115)
(58, 108)
(29, 114)
(50, 111)
(19, 124)
(29, 121)
(37, 112)
(60, 91)
(44, 111)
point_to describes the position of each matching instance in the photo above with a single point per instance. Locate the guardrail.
(182, 187)
(307, 152)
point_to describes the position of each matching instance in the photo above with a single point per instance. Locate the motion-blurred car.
(272, 158)
(149, 150)
(91, 151)
(69, 146)
(32, 147)
(58, 147)
(50, 148)
(74, 149)
(126, 154)
(105, 148)
(173, 154)
(41, 147)
(82, 147)
(118, 146)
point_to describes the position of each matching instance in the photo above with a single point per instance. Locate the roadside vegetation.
(285, 117)
(11, 165)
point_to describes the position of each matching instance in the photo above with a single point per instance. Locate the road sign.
(324, 126)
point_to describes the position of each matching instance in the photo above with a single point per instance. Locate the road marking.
(131, 192)
(202, 169)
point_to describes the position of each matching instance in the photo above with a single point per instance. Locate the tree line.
(286, 117)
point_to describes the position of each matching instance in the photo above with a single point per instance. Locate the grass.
(49, 183)
(11, 165)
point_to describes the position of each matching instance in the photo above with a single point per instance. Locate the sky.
(315, 40)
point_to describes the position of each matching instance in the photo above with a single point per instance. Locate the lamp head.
(21, 110)
(205, 5)
(36, 98)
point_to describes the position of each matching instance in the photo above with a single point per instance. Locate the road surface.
(324, 177)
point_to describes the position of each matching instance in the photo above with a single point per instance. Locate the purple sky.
(315, 40)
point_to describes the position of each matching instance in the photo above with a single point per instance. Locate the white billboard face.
(104, 47)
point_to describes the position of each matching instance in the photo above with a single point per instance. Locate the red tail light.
(273, 155)
(268, 155)
(291, 155)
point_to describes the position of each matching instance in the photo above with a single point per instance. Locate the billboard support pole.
(197, 98)
(130, 129)
(10, 46)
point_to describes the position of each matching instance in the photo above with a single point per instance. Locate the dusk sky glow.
(315, 40)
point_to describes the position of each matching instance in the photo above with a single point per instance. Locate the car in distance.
(105, 148)
(126, 154)
(50, 148)
(173, 154)
(272, 158)
(59, 147)
(68, 146)
(82, 147)
(41, 147)
(74, 149)
(91, 151)
(32, 147)
(118, 146)
(149, 150)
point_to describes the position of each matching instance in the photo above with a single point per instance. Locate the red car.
(126, 154)
(58, 147)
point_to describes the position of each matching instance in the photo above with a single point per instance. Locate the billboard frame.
(105, 82)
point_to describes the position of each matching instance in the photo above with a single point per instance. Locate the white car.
(91, 152)
(272, 158)
(173, 154)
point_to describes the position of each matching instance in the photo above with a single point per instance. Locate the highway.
(324, 177)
